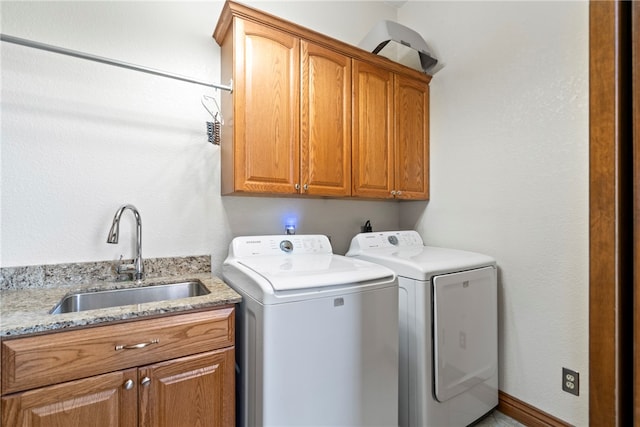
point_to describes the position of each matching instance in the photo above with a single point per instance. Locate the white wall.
(80, 138)
(508, 153)
(509, 177)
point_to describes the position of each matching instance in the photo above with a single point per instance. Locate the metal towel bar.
(108, 61)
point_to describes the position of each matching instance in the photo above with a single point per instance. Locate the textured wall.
(80, 138)
(508, 153)
(509, 174)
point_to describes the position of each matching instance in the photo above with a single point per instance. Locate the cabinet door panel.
(372, 131)
(266, 109)
(191, 391)
(325, 121)
(412, 138)
(97, 401)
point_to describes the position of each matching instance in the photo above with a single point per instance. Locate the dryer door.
(465, 322)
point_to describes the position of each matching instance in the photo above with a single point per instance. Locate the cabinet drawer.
(49, 359)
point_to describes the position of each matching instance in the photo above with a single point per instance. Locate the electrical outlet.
(571, 381)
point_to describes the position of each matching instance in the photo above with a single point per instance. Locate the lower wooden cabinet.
(102, 401)
(190, 390)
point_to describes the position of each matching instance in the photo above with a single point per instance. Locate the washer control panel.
(278, 245)
(386, 239)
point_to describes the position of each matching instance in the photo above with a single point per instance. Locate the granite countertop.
(26, 311)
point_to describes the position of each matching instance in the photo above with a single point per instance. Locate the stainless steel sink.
(118, 297)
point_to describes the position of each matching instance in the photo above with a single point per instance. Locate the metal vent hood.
(385, 31)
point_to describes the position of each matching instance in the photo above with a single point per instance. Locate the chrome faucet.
(137, 268)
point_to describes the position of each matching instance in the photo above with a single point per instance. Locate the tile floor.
(498, 419)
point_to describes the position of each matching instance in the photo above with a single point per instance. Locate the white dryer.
(317, 334)
(448, 328)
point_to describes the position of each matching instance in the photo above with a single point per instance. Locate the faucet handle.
(124, 271)
(119, 264)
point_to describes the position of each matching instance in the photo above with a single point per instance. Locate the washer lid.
(405, 253)
(424, 262)
(306, 271)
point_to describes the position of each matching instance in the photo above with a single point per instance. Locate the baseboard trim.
(525, 413)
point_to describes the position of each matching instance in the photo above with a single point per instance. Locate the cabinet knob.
(393, 192)
(128, 385)
(146, 381)
(297, 186)
(398, 193)
(305, 187)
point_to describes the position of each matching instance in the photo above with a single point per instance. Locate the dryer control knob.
(393, 240)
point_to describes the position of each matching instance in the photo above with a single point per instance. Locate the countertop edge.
(26, 311)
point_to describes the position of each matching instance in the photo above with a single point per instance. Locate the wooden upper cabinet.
(314, 116)
(291, 107)
(390, 134)
(411, 138)
(266, 85)
(373, 154)
(325, 143)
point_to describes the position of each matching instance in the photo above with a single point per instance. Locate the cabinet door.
(325, 143)
(411, 138)
(266, 109)
(191, 391)
(372, 131)
(102, 401)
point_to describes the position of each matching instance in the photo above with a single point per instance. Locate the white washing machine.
(448, 328)
(317, 334)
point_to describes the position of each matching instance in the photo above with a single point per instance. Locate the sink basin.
(117, 297)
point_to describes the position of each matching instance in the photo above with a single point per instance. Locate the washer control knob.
(286, 245)
(393, 240)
